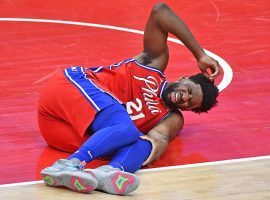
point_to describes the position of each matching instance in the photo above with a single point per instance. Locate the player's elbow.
(159, 7)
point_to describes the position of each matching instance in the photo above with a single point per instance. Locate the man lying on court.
(127, 110)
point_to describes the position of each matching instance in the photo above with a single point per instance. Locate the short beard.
(167, 98)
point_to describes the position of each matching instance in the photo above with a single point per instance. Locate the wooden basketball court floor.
(220, 155)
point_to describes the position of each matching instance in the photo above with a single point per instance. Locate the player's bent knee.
(128, 131)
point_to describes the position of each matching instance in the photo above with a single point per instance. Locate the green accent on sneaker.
(78, 185)
(120, 182)
(48, 180)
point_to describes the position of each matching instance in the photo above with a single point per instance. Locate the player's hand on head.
(207, 62)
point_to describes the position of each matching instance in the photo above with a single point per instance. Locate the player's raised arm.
(162, 21)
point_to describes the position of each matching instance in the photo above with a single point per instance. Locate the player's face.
(183, 94)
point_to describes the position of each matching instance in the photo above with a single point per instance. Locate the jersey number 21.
(134, 109)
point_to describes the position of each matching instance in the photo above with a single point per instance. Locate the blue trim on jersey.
(97, 69)
(97, 97)
(162, 88)
(75, 77)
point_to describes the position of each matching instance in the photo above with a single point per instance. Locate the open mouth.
(175, 97)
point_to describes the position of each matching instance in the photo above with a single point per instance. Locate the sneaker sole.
(119, 183)
(123, 183)
(73, 180)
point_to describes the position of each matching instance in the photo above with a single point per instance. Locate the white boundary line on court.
(227, 78)
(228, 73)
(205, 164)
(212, 163)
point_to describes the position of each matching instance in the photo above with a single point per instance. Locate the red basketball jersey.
(137, 86)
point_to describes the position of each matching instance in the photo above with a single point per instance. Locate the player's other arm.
(162, 134)
(162, 21)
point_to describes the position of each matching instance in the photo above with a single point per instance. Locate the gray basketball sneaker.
(114, 181)
(69, 173)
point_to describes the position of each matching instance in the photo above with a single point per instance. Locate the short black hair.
(209, 91)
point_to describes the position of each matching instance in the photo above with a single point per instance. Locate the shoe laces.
(74, 162)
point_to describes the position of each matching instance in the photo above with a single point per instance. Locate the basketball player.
(127, 110)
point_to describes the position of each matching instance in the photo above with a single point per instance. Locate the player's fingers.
(212, 79)
(213, 68)
(216, 71)
(145, 137)
(214, 75)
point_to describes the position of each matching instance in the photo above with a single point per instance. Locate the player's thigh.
(59, 134)
(61, 100)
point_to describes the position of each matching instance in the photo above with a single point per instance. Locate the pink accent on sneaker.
(88, 188)
(130, 180)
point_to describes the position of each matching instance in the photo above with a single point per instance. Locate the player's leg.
(113, 129)
(118, 132)
(132, 157)
(59, 134)
(115, 133)
(117, 177)
(64, 172)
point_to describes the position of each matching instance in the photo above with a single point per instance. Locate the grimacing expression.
(183, 94)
